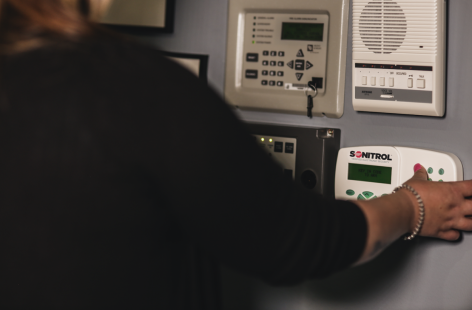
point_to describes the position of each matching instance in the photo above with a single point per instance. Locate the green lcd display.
(302, 31)
(367, 173)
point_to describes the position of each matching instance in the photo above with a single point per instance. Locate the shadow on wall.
(357, 284)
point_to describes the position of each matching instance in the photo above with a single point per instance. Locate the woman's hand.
(447, 211)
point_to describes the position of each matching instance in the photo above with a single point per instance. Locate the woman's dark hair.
(25, 24)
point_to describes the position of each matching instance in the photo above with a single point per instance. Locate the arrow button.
(309, 65)
(300, 53)
(290, 64)
(299, 76)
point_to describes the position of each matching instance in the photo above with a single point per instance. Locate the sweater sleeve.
(228, 196)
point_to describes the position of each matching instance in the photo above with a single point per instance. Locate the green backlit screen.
(302, 32)
(367, 173)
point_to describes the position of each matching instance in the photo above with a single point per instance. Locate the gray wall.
(425, 274)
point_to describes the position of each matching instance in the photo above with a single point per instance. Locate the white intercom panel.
(275, 47)
(368, 172)
(399, 56)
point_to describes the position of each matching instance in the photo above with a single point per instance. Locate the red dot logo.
(358, 154)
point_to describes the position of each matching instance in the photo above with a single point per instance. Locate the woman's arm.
(447, 210)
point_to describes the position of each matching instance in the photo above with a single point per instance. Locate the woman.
(125, 181)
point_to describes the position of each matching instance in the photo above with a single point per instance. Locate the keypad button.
(281, 54)
(360, 197)
(280, 83)
(350, 192)
(309, 65)
(273, 63)
(299, 76)
(280, 73)
(440, 181)
(290, 64)
(300, 64)
(368, 194)
(364, 80)
(391, 82)
(265, 53)
(265, 63)
(272, 83)
(279, 147)
(265, 72)
(264, 82)
(289, 148)
(273, 53)
(300, 53)
(373, 81)
(281, 64)
(441, 171)
(430, 170)
(410, 83)
(272, 73)
(252, 57)
(382, 81)
(251, 74)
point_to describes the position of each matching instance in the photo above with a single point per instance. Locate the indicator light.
(262, 139)
(270, 140)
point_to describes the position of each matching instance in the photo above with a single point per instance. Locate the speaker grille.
(395, 26)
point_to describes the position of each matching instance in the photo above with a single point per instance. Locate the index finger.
(465, 187)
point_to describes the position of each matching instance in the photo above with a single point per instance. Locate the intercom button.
(279, 147)
(273, 53)
(280, 83)
(391, 82)
(420, 83)
(290, 64)
(281, 64)
(251, 74)
(281, 54)
(272, 83)
(272, 73)
(264, 82)
(299, 64)
(252, 57)
(265, 63)
(280, 73)
(265, 53)
(273, 63)
(265, 72)
(289, 148)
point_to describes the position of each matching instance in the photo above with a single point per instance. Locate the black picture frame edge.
(204, 60)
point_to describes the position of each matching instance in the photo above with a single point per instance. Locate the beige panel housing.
(150, 13)
(330, 102)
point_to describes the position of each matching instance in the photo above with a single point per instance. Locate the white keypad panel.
(379, 169)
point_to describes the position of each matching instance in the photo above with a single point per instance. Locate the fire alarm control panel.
(276, 47)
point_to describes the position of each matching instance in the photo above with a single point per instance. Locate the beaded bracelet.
(421, 205)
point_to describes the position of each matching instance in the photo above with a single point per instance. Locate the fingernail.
(417, 167)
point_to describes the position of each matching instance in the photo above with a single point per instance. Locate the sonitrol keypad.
(291, 47)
